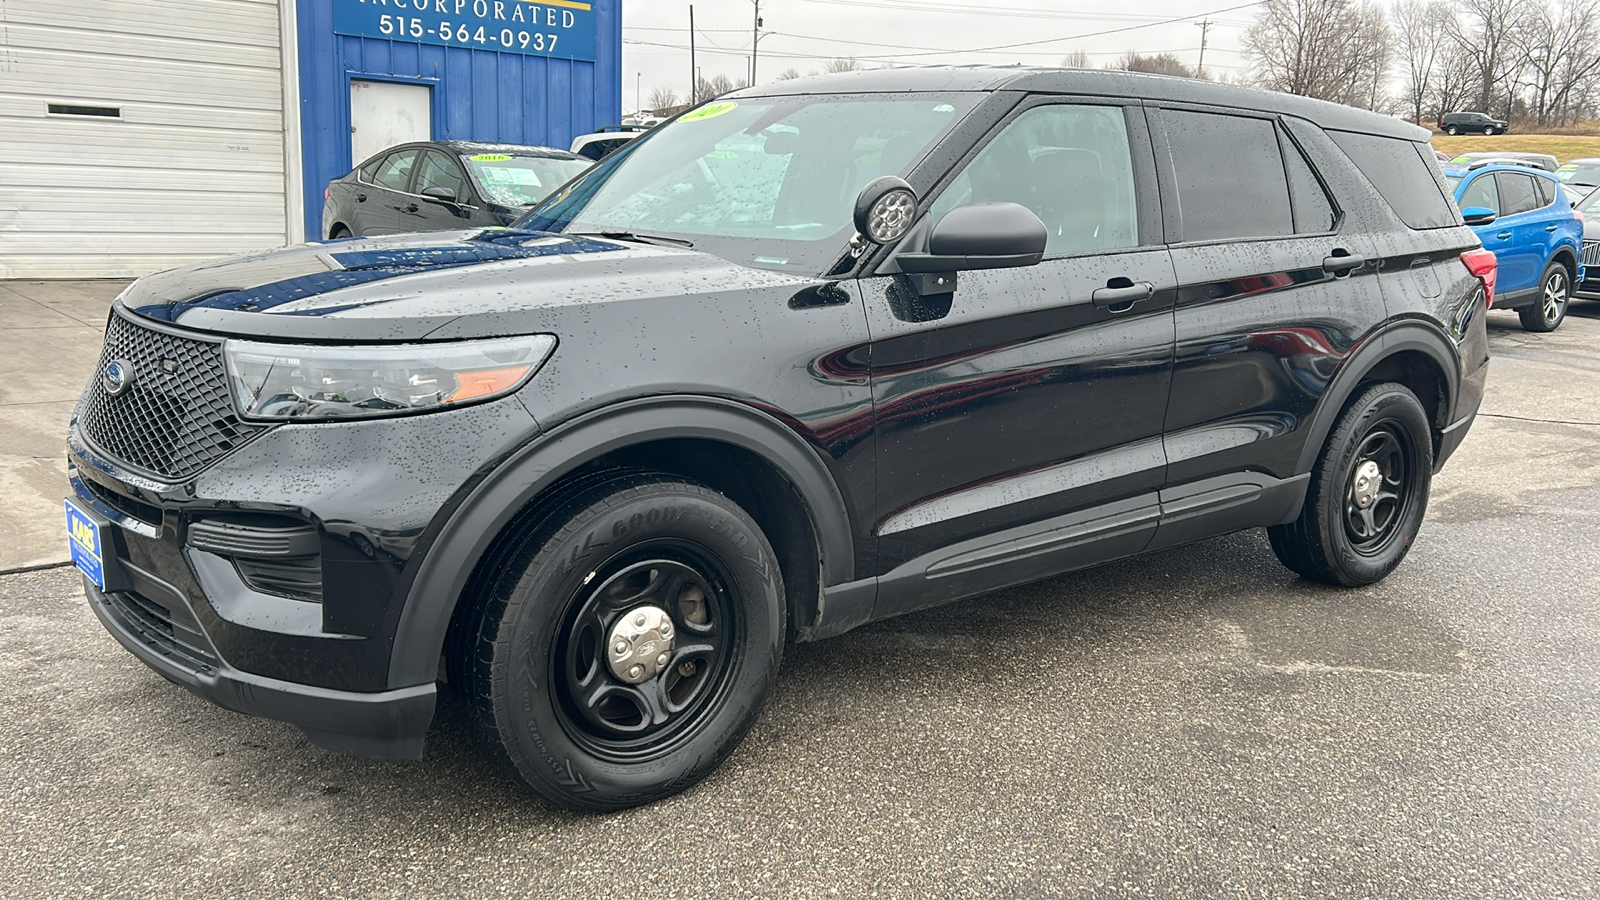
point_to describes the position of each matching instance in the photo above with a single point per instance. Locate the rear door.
(1273, 294)
(1019, 419)
(381, 212)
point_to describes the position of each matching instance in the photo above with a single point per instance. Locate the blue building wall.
(479, 95)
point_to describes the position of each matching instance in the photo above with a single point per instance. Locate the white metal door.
(383, 113)
(138, 136)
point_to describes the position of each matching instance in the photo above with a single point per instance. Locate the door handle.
(1342, 261)
(1504, 235)
(361, 198)
(1122, 299)
(1550, 228)
(412, 207)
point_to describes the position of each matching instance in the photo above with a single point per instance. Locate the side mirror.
(1478, 215)
(981, 236)
(442, 194)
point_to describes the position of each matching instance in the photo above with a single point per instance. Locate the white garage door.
(136, 135)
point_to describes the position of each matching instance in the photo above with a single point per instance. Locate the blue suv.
(1522, 215)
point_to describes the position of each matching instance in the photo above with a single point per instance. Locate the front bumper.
(388, 725)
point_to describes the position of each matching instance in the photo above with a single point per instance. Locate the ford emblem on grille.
(117, 377)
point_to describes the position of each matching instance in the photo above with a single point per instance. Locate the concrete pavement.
(51, 333)
(1197, 723)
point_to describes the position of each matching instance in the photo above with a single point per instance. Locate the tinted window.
(370, 169)
(1405, 178)
(1516, 194)
(1546, 191)
(1231, 180)
(1069, 164)
(395, 172)
(438, 171)
(1481, 192)
(1313, 211)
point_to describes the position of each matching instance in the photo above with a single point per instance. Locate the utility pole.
(755, 38)
(1200, 67)
(638, 88)
(694, 71)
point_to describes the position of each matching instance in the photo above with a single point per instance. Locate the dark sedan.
(443, 186)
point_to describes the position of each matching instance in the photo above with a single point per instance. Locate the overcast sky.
(805, 34)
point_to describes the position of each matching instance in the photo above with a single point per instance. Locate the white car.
(598, 145)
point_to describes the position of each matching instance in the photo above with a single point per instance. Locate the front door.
(1019, 419)
(1523, 254)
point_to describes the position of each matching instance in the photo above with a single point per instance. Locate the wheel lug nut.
(621, 649)
(636, 672)
(640, 620)
(666, 629)
(662, 661)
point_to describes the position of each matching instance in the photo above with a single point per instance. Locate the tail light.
(327, 192)
(1482, 265)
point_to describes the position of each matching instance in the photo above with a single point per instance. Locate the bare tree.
(1330, 49)
(789, 74)
(843, 64)
(1421, 33)
(717, 86)
(1077, 59)
(1488, 34)
(1560, 48)
(663, 98)
(1155, 64)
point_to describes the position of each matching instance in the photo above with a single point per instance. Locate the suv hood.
(408, 287)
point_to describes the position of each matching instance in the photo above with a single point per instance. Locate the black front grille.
(144, 512)
(176, 417)
(154, 626)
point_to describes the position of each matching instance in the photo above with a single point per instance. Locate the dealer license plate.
(83, 535)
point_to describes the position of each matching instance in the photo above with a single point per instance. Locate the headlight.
(282, 381)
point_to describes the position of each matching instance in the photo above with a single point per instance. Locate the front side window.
(1481, 192)
(395, 171)
(1071, 165)
(438, 171)
(768, 182)
(1516, 193)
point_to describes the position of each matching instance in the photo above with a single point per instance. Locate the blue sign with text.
(559, 29)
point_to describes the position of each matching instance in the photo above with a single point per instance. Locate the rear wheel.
(1555, 293)
(339, 232)
(629, 644)
(1452, 131)
(1367, 495)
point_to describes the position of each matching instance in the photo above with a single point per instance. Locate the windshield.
(768, 182)
(1579, 174)
(521, 180)
(1590, 205)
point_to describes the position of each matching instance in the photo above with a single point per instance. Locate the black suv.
(1467, 122)
(811, 355)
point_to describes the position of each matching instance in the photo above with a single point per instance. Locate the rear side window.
(395, 172)
(1313, 211)
(1405, 178)
(1230, 175)
(1516, 194)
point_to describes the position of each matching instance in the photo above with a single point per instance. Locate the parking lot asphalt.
(1196, 723)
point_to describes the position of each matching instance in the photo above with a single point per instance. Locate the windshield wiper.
(636, 238)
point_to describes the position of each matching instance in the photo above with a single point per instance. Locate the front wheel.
(1555, 293)
(1488, 131)
(1368, 492)
(628, 646)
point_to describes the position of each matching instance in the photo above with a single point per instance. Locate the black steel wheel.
(625, 641)
(1555, 294)
(1368, 492)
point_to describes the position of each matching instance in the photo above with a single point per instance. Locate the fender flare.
(1399, 338)
(474, 524)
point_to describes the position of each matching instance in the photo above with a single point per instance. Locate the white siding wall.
(193, 169)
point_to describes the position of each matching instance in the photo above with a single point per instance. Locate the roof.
(473, 147)
(1464, 171)
(1097, 82)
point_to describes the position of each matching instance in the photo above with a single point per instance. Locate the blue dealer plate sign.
(83, 536)
(559, 29)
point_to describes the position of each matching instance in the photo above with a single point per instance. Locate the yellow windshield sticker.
(489, 157)
(1462, 159)
(709, 112)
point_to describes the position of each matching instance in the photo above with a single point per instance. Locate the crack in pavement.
(1542, 421)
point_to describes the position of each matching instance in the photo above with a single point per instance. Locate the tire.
(534, 657)
(1452, 131)
(1488, 131)
(1555, 295)
(1336, 540)
(339, 232)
